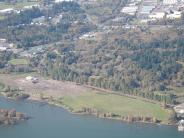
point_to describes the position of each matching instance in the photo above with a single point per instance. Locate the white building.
(32, 79)
(58, 1)
(29, 78)
(3, 48)
(89, 35)
(169, 2)
(9, 10)
(2, 40)
(157, 15)
(130, 10)
(174, 15)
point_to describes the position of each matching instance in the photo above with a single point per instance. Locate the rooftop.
(147, 9)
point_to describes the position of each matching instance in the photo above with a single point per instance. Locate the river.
(53, 122)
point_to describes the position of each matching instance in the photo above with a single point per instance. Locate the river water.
(53, 122)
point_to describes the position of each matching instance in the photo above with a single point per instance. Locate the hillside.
(132, 61)
(76, 44)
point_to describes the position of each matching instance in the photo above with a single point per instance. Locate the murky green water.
(53, 122)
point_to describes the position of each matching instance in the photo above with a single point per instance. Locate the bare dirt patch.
(47, 87)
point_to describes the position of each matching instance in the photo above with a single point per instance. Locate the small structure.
(32, 79)
(181, 125)
(28, 78)
(179, 109)
(35, 80)
(90, 35)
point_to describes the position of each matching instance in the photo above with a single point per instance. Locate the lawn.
(19, 61)
(18, 5)
(117, 104)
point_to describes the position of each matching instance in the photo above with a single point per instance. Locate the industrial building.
(131, 10)
(157, 15)
(58, 1)
(169, 2)
(174, 15)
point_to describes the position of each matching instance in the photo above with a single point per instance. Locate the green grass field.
(19, 62)
(18, 5)
(117, 104)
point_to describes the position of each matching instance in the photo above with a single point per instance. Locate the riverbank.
(78, 99)
(137, 112)
(100, 114)
(51, 121)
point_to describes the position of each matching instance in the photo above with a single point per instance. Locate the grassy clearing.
(17, 5)
(19, 62)
(117, 104)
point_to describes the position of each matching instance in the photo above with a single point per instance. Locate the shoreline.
(56, 103)
(68, 109)
(52, 92)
